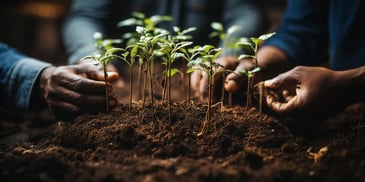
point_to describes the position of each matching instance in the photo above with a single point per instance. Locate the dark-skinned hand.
(76, 89)
(306, 90)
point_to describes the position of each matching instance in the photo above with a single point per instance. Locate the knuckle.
(76, 84)
(78, 100)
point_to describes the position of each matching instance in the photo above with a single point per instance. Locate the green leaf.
(113, 50)
(255, 40)
(255, 70)
(172, 72)
(243, 56)
(140, 29)
(160, 18)
(134, 51)
(217, 26)
(188, 30)
(214, 34)
(183, 44)
(233, 29)
(138, 15)
(97, 35)
(129, 22)
(176, 29)
(266, 36)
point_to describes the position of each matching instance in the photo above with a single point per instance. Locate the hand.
(76, 89)
(305, 90)
(271, 60)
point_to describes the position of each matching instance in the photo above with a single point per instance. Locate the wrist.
(353, 83)
(38, 101)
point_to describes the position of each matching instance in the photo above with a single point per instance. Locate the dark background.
(34, 26)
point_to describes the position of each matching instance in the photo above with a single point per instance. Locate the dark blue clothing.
(18, 75)
(313, 31)
(89, 16)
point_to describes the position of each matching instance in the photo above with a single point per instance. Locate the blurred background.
(34, 26)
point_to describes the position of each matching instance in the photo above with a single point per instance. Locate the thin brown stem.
(106, 91)
(248, 100)
(130, 89)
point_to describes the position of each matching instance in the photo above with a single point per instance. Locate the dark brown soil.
(148, 145)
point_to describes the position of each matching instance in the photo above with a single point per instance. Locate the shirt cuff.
(22, 81)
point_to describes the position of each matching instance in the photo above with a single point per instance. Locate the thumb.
(270, 84)
(97, 74)
(281, 81)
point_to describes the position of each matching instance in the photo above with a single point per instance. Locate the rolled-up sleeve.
(18, 74)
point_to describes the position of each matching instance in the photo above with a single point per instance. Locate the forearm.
(353, 82)
(272, 62)
(19, 89)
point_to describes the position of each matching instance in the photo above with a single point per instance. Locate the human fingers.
(287, 95)
(281, 81)
(77, 98)
(199, 84)
(95, 72)
(78, 83)
(195, 78)
(62, 110)
(203, 86)
(281, 107)
(99, 75)
(234, 80)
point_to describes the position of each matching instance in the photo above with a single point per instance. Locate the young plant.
(106, 53)
(139, 19)
(205, 62)
(230, 47)
(172, 48)
(251, 44)
(147, 46)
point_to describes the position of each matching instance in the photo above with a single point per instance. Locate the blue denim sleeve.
(303, 32)
(18, 74)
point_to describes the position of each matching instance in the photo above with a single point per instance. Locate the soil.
(149, 145)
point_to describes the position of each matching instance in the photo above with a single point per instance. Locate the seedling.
(172, 48)
(149, 24)
(251, 44)
(205, 63)
(229, 46)
(106, 53)
(146, 51)
(143, 42)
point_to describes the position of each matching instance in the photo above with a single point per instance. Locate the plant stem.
(169, 89)
(140, 82)
(144, 88)
(222, 94)
(248, 101)
(207, 114)
(150, 70)
(106, 90)
(189, 89)
(130, 89)
(261, 95)
(150, 75)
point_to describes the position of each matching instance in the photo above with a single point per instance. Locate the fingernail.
(267, 83)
